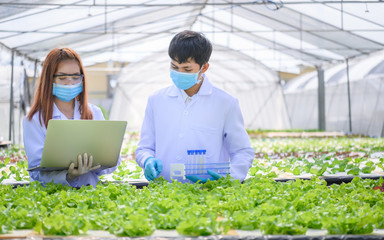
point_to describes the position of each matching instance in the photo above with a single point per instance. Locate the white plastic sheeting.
(280, 34)
(256, 87)
(366, 91)
(21, 98)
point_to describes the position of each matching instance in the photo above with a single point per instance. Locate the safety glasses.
(66, 78)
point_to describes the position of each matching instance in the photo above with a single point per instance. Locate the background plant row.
(283, 157)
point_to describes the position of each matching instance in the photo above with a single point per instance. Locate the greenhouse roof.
(359, 68)
(282, 35)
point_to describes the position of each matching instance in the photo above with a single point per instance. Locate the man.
(192, 114)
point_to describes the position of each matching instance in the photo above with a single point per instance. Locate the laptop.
(66, 139)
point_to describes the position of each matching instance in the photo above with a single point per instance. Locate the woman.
(60, 94)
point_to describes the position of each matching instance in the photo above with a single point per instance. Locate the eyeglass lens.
(75, 78)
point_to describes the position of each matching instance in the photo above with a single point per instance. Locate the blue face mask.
(67, 92)
(184, 80)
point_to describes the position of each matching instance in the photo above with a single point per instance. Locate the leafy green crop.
(286, 145)
(259, 203)
(195, 209)
(326, 164)
(14, 165)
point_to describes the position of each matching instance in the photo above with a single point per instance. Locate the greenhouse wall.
(22, 89)
(366, 98)
(255, 86)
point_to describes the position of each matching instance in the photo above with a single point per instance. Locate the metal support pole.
(34, 79)
(105, 17)
(22, 106)
(11, 112)
(321, 98)
(27, 102)
(382, 131)
(349, 99)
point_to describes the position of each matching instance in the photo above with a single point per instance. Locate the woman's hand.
(84, 165)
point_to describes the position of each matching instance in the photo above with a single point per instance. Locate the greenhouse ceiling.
(283, 35)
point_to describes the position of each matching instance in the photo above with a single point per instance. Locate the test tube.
(191, 162)
(201, 160)
(204, 152)
(188, 161)
(189, 156)
(196, 161)
(197, 153)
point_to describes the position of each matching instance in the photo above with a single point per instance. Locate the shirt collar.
(205, 89)
(184, 95)
(59, 115)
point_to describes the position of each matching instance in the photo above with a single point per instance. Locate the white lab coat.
(212, 121)
(34, 137)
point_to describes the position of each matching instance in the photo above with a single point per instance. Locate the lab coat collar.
(59, 115)
(173, 91)
(205, 89)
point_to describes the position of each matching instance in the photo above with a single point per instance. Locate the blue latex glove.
(152, 168)
(195, 179)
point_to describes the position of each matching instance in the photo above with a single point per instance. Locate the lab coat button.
(181, 135)
(185, 112)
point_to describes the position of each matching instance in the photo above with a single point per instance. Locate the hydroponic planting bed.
(14, 165)
(260, 208)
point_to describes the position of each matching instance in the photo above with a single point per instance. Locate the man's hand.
(152, 168)
(195, 179)
(84, 165)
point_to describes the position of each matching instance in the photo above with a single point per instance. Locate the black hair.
(189, 44)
